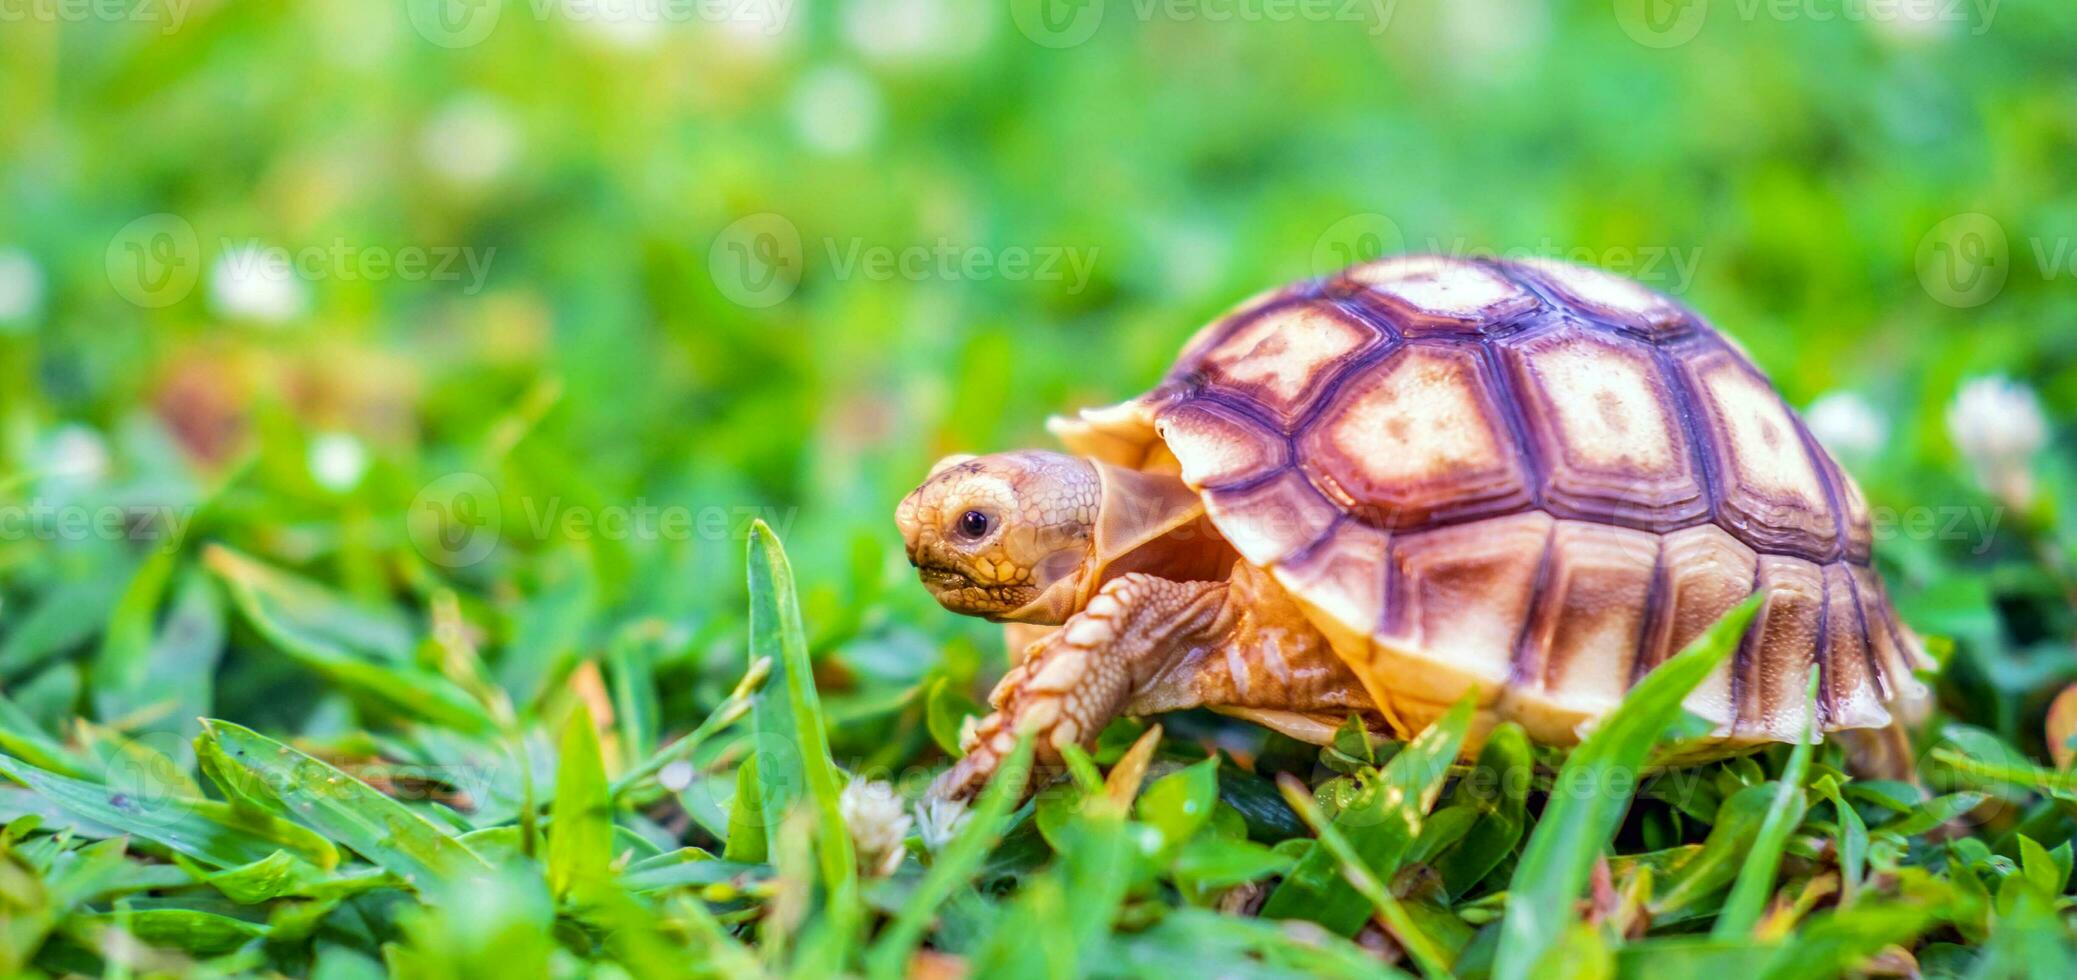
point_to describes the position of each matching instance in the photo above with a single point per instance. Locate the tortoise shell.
(1529, 478)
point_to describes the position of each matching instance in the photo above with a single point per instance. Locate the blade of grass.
(22, 738)
(416, 692)
(340, 807)
(1737, 825)
(1425, 953)
(1756, 879)
(1499, 788)
(1835, 942)
(1381, 823)
(215, 833)
(727, 713)
(1596, 784)
(580, 837)
(630, 664)
(124, 656)
(954, 866)
(1852, 840)
(776, 631)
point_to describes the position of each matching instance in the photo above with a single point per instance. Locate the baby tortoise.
(1421, 476)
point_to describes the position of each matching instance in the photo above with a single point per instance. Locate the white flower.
(1845, 423)
(836, 110)
(21, 287)
(938, 821)
(1492, 39)
(1997, 424)
(337, 461)
(1916, 20)
(878, 822)
(470, 142)
(75, 455)
(252, 282)
(915, 30)
(676, 775)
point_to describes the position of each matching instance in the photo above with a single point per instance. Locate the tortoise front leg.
(1074, 681)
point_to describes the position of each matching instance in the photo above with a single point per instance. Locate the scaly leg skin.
(1147, 645)
(1075, 680)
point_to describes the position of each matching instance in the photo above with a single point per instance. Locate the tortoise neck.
(1152, 523)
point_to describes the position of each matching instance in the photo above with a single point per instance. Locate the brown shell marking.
(1536, 480)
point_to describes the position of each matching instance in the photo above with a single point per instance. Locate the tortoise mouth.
(958, 592)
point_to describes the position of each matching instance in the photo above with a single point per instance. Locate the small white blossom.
(1845, 423)
(256, 283)
(21, 288)
(676, 776)
(915, 30)
(1492, 39)
(938, 821)
(1916, 20)
(836, 110)
(878, 823)
(1997, 424)
(470, 142)
(75, 455)
(337, 461)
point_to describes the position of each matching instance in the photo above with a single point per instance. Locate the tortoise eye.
(973, 524)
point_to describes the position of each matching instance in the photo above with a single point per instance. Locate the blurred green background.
(333, 279)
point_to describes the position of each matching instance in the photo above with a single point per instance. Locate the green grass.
(477, 579)
(278, 860)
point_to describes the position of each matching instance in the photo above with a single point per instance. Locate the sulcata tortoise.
(1418, 477)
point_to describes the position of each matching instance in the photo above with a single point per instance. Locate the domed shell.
(1536, 480)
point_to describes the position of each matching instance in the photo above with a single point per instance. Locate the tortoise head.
(1008, 536)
